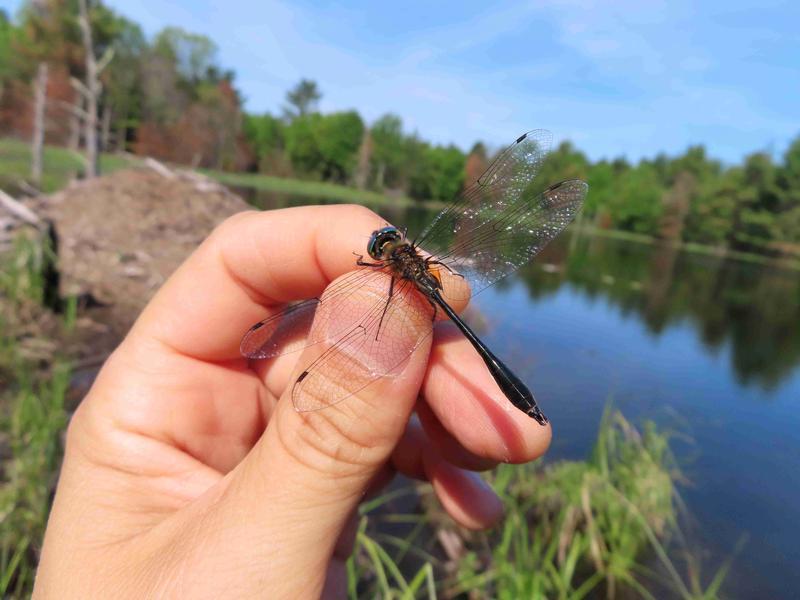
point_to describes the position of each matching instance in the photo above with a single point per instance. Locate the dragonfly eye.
(380, 239)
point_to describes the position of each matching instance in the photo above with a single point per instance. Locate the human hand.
(185, 476)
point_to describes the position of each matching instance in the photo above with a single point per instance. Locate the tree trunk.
(74, 141)
(39, 109)
(105, 127)
(91, 92)
(364, 158)
(119, 128)
(379, 176)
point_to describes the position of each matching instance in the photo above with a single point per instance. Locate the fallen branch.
(159, 168)
(19, 210)
(28, 188)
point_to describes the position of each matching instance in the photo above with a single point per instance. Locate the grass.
(33, 427)
(60, 165)
(312, 189)
(572, 529)
(32, 420)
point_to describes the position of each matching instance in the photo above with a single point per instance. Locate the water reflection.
(753, 308)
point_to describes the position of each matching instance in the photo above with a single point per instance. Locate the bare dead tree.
(39, 115)
(90, 90)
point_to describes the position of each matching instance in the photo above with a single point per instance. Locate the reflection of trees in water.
(755, 308)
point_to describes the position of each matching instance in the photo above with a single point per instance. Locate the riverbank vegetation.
(607, 525)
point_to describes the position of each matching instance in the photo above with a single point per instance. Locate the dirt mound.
(121, 236)
(118, 238)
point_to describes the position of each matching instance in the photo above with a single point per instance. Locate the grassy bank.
(32, 418)
(599, 527)
(60, 165)
(312, 189)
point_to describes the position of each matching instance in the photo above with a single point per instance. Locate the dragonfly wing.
(502, 220)
(510, 237)
(282, 333)
(506, 178)
(377, 343)
(290, 329)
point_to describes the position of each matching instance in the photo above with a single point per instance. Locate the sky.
(626, 78)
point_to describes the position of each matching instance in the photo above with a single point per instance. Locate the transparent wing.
(290, 330)
(505, 218)
(508, 175)
(377, 342)
(511, 238)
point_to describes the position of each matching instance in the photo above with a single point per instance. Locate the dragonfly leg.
(385, 308)
(437, 262)
(361, 263)
(435, 308)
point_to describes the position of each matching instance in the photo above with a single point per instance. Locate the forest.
(169, 97)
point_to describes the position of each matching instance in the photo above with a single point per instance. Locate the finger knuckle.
(233, 223)
(329, 442)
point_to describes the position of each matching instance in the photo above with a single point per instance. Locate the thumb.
(287, 503)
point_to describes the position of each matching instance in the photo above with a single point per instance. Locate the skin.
(187, 471)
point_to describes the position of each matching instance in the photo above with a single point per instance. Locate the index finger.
(251, 261)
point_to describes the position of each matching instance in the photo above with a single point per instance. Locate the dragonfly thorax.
(384, 241)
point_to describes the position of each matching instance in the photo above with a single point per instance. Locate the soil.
(119, 238)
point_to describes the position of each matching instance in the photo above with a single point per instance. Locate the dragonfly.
(366, 325)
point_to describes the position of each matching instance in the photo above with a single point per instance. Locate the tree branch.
(19, 210)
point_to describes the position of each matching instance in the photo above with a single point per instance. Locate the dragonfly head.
(383, 241)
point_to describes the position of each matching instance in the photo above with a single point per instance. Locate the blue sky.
(624, 78)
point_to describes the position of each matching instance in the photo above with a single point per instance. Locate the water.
(706, 346)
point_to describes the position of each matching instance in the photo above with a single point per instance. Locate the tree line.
(168, 97)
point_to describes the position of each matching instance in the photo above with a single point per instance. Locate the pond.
(706, 346)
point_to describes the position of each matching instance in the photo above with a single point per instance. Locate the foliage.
(267, 138)
(32, 422)
(170, 98)
(302, 99)
(325, 146)
(441, 175)
(571, 528)
(389, 152)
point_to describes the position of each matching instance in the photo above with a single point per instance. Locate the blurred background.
(661, 332)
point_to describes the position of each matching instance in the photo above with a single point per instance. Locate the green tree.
(787, 228)
(758, 200)
(302, 99)
(637, 204)
(441, 175)
(193, 55)
(6, 33)
(266, 136)
(123, 81)
(302, 145)
(388, 152)
(339, 138)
